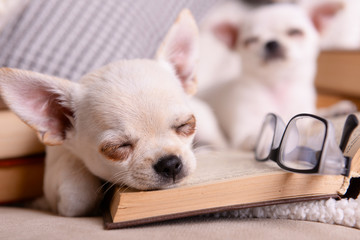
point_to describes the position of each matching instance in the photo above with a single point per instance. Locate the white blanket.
(345, 212)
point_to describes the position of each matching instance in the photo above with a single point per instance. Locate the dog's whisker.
(103, 186)
(123, 189)
(114, 180)
(109, 187)
(203, 148)
(196, 144)
(99, 189)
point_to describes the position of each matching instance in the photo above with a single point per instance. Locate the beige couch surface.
(17, 223)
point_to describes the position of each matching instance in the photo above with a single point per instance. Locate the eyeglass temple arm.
(274, 154)
(350, 124)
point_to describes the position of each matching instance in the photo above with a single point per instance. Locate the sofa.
(68, 38)
(20, 223)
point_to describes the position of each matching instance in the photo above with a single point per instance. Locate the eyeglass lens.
(302, 143)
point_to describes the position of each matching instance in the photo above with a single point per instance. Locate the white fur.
(283, 86)
(9, 9)
(343, 30)
(208, 133)
(115, 124)
(218, 63)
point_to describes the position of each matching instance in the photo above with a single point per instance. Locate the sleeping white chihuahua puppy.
(128, 123)
(278, 45)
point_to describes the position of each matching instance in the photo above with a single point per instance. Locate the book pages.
(353, 144)
(234, 164)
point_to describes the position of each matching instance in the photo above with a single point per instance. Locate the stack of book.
(337, 77)
(21, 159)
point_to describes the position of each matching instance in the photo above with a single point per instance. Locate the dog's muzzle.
(273, 50)
(169, 167)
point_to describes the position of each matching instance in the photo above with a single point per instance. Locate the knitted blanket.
(344, 212)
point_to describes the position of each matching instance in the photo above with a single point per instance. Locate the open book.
(226, 181)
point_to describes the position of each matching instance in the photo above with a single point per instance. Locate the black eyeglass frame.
(274, 153)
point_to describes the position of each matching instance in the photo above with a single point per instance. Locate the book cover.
(21, 178)
(2, 104)
(338, 73)
(16, 138)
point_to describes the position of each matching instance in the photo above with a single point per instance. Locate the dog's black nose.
(169, 166)
(272, 46)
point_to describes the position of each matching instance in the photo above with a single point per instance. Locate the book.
(325, 99)
(16, 138)
(227, 181)
(2, 104)
(338, 75)
(21, 178)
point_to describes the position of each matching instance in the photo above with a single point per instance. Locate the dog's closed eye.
(115, 151)
(251, 40)
(186, 128)
(295, 32)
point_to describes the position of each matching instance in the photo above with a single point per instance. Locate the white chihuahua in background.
(278, 45)
(219, 63)
(128, 123)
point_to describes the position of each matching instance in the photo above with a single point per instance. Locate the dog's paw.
(78, 203)
(76, 207)
(79, 196)
(343, 107)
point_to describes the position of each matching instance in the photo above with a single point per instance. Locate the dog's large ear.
(227, 33)
(42, 101)
(180, 48)
(224, 22)
(321, 14)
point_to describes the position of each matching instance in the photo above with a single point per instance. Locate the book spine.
(35, 159)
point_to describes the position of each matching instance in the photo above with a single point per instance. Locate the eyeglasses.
(306, 144)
